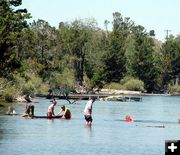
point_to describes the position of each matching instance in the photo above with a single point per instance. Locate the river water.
(108, 135)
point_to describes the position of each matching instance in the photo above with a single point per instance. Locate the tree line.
(37, 56)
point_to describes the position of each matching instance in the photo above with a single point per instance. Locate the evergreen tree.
(170, 61)
(12, 23)
(142, 60)
(114, 59)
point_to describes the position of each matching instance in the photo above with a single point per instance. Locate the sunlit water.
(108, 135)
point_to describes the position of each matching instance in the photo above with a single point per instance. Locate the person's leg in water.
(31, 110)
(88, 119)
(27, 110)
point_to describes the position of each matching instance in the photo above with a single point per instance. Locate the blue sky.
(158, 15)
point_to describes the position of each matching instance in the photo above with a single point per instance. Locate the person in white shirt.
(50, 112)
(88, 111)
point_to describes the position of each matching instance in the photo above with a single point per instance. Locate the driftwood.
(156, 126)
(73, 102)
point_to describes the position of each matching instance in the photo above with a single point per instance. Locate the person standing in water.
(50, 112)
(88, 111)
(29, 108)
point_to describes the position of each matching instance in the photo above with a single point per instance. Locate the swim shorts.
(88, 118)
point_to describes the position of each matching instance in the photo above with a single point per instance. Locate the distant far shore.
(106, 93)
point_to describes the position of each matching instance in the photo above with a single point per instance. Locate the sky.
(158, 15)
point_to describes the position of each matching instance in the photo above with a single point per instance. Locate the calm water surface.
(109, 134)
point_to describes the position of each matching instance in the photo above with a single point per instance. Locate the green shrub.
(126, 79)
(174, 89)
(63, 80)
(29, 84)
(2, 85)
(10, 93)
(114, 85)
(134, 85)
(43, 89)
(127, 83)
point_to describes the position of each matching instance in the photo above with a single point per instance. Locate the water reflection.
(1, 130)
(50, 121)
(88, 131)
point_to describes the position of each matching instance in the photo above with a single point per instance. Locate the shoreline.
(86, 96)
(101, 95)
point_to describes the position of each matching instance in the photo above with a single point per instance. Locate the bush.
(29, 84)
(127, 83)
(134, 85)
(126, 79)
(2, 85)
(63, 80)
(10, 93)
(114, 85)
(174, 89)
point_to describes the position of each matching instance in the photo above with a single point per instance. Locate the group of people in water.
(65, 113)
